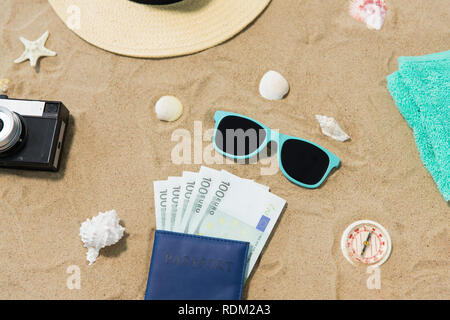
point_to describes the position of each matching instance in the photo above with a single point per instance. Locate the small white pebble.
(273, 86)
(168, 108)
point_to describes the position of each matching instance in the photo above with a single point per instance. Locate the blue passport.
(190, 267)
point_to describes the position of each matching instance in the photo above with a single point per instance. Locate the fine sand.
(116, 148)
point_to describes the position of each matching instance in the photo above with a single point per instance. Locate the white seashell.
(100, 231)
(331, 128)
(168, 108)
(273, 86)
(4, 85)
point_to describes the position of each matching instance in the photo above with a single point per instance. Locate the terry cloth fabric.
(421, 91)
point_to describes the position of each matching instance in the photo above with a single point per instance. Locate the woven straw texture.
(139, 30)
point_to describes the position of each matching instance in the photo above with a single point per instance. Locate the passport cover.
(190, 267)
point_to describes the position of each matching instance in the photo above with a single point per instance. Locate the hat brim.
(148, 31)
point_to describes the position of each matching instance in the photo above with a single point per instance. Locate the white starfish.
(34, 50)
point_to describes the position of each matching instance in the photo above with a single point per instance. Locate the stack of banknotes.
(218, 204)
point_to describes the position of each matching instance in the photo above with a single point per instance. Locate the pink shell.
(360, 9)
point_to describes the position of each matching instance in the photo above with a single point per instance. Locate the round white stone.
(168, 108)
(273, 86)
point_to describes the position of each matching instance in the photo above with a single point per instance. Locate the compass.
(367, 243)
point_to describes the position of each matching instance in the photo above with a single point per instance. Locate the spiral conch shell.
(100, 231)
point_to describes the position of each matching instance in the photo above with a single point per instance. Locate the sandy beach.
(116, 148)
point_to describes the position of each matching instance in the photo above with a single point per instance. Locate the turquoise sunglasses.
(302, 162)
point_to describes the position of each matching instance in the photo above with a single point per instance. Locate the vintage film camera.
(32, 133)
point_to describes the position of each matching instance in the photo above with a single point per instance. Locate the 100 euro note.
(160, 195)
(218, 186)
(240, 211)
(204, 183)
(187, 188)
(173, 197)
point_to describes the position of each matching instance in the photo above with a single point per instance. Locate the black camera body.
(32, 133)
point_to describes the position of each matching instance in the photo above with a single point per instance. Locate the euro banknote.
(239, 210)
(187, 188)
(206, 179)
(218, 204)
(160, 196)
(173, 197)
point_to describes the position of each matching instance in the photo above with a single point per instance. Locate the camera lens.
(10, 129)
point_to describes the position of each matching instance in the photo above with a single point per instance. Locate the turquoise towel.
(421, 91)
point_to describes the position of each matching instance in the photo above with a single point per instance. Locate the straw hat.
(154, 31)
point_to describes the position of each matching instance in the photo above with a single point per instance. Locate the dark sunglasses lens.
(239, 136)
(303, 161)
